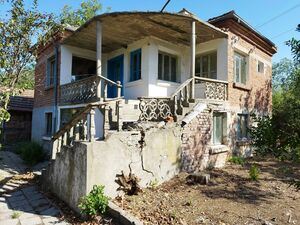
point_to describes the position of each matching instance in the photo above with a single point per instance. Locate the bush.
(95, 203)
(237, 160)
(31, 152)
(254, 172)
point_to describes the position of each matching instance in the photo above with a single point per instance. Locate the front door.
(115, 70)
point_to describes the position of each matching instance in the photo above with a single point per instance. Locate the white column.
(193, 57)
(99, 55)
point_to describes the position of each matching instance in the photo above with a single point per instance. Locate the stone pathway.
(20, 203)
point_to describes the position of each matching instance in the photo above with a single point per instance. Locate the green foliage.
(237, 160)
(254, 172)
(31, 152)
(16, 214)
(95, 203)
(18, 28)
(87, 10)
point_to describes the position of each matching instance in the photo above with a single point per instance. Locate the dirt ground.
(230, 197)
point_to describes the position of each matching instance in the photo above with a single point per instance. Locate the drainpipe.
(55, 89)
(193, 57)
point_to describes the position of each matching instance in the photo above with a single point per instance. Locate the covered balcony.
(142, 55)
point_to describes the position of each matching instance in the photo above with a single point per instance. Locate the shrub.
(254, 172)
(95, 202)
(31, 152)
(237, 160)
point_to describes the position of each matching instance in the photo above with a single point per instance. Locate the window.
(240, 69)
(260, 67)
(135, 65)
(217, 128)
(50, 72)
(206, 65)
(82, 68)
(242, 126)
(167, 67)
(48, 124)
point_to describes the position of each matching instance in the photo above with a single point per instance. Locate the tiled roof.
(22, 102)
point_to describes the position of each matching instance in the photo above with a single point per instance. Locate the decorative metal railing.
(85, 90)
(214, 89)
(156, 108)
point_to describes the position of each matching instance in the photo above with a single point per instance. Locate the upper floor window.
(260, 67)
(136, 65)
(50, 71)
(82, 68)
(206, 65)
(240, 68)
(242, 126)
(167, 67)
(48, 118)
(218, 128)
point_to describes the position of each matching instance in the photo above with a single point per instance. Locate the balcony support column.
(99, 57)
(193, 58)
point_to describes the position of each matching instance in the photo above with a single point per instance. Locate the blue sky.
(255, 12)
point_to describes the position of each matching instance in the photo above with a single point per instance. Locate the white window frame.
(163, 75)
(209, 54)
(238, 77)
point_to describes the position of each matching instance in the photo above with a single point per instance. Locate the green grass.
(237, 160)
(16, 214)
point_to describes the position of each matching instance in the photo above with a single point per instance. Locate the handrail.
(181, 87)
(93, 77)
(211, 80)
(72, 122)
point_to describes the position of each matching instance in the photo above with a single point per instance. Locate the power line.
(165, 6)
(280, 34)
(281, 14)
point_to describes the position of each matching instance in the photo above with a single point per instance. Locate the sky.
(282, 16)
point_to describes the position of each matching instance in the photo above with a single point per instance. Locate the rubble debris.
(198, 178)
(129, 184)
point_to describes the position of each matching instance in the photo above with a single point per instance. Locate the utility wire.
(165, 6)
(281, 14)
(280, 34)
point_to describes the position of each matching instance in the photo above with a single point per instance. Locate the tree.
(76, 17)
(17, 52)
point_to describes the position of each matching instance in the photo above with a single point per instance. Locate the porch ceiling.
(121, 29)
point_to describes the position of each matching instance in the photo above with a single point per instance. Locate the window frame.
(209, 71)
(48, 123)
(160, 71)
(240, 135)
(258, 67)
(50, 72)
(241, 57)
(219, 115)
(135, 73)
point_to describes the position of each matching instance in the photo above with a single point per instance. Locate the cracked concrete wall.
(153, 156)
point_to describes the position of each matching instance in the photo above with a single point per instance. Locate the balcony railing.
(85, 90)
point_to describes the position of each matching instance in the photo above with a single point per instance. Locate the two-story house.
(103, 89)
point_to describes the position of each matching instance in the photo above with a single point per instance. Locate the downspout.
(55, 89)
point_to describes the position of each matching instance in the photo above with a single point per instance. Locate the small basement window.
(82, 68)
(260, 67)
(242, 126)
(167, 67)
(48, 118)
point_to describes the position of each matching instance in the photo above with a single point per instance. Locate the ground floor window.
(67, 114)
(167, 67)
(136, 65)
(48, 118)
(218, 128)
(242, 126)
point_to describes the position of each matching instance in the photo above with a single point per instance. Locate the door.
(115, 72)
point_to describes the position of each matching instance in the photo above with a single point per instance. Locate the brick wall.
(195, 138)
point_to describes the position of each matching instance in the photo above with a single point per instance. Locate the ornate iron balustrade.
(81, 91)
(214, 89)
(155, 109)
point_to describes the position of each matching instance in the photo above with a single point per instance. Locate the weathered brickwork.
(195, 139)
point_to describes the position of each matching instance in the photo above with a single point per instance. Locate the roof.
(123, 28)
(22, 102)
(232, 15)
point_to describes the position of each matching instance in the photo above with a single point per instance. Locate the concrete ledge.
(216, 149)
(121, 216)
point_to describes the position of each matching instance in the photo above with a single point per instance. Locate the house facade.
(120, 72)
